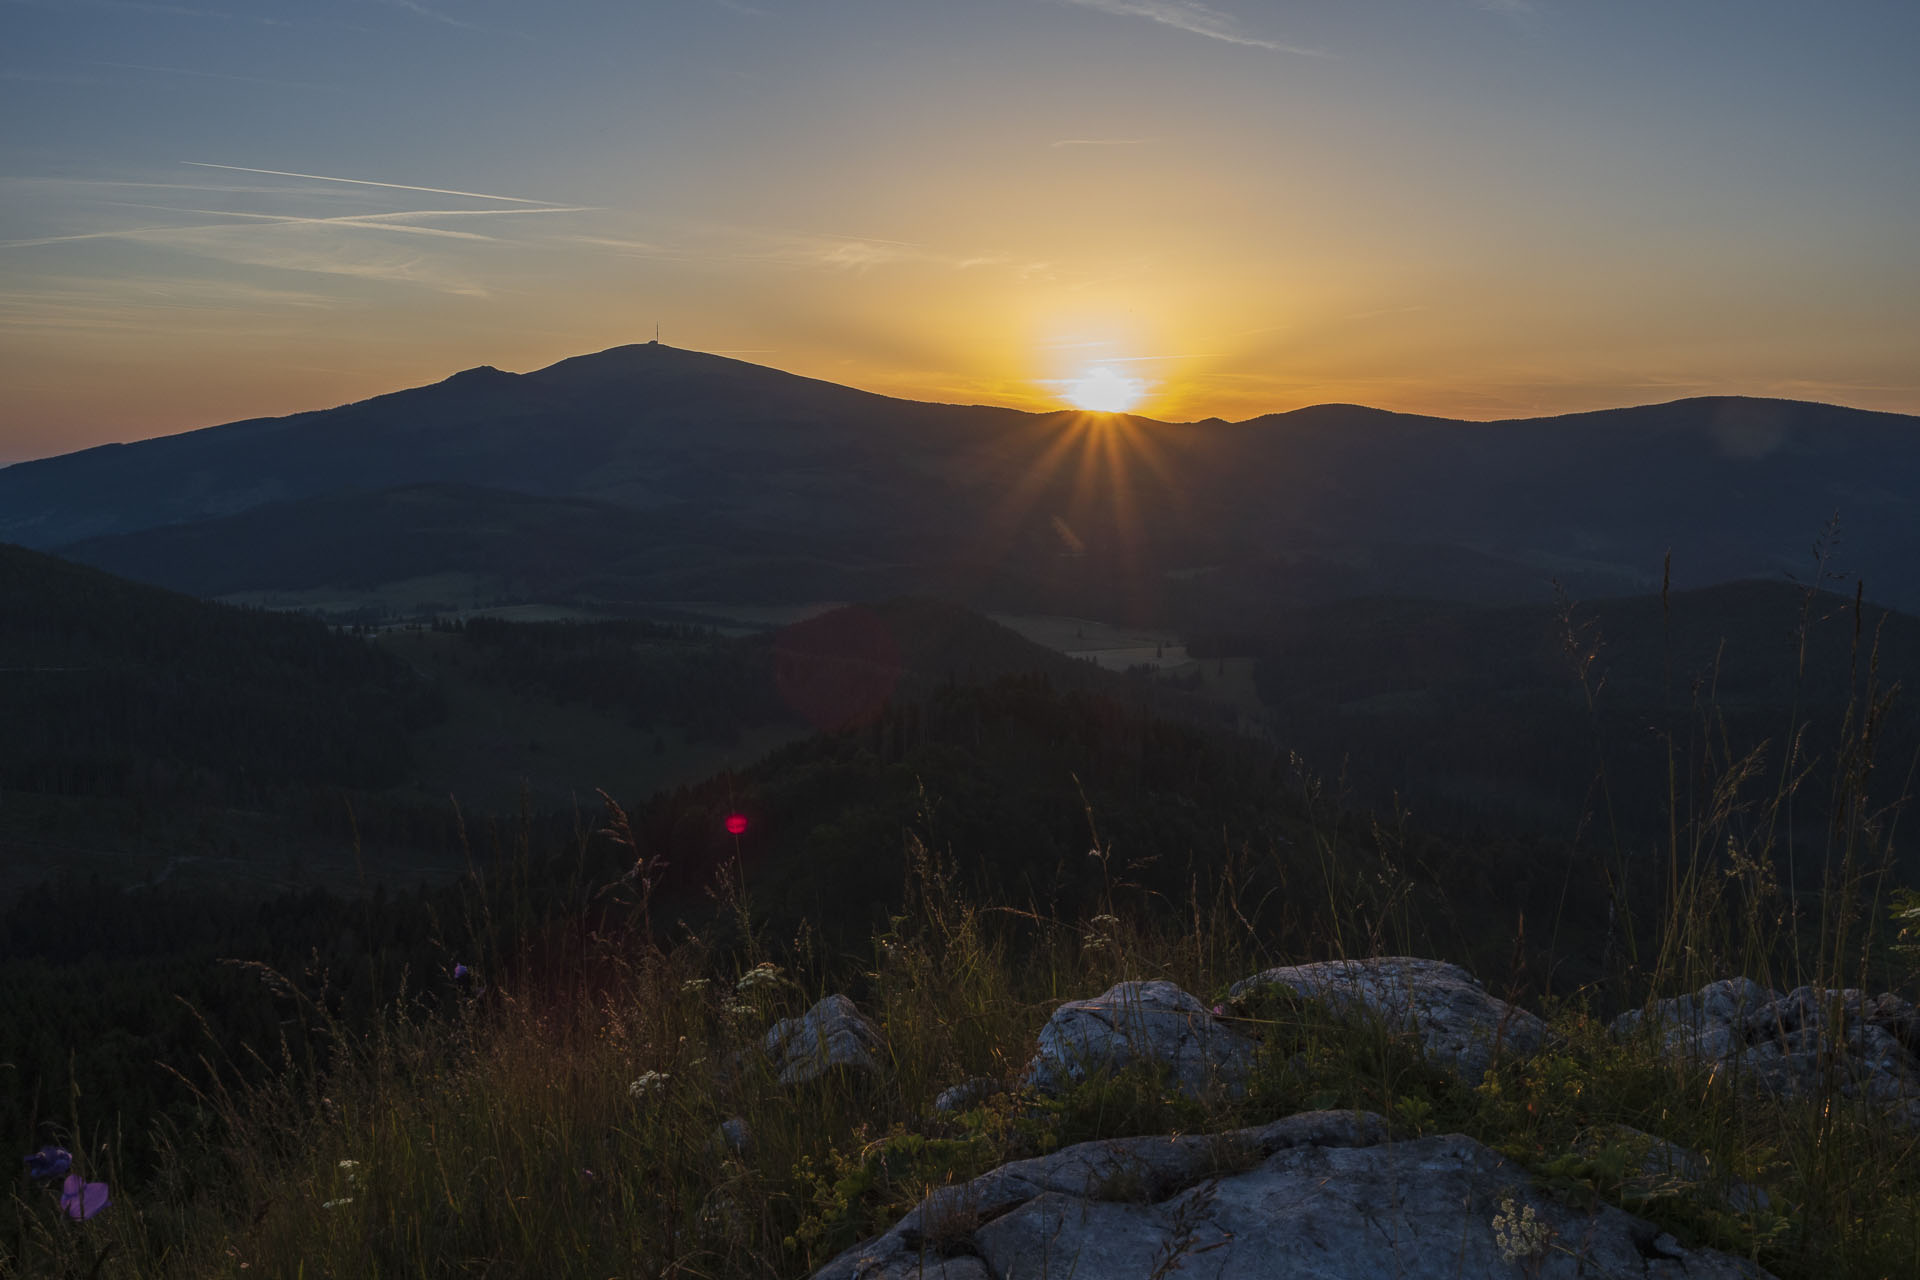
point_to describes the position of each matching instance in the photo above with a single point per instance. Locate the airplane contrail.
(363, 182)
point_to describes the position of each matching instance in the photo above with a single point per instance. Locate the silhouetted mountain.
(667, 474)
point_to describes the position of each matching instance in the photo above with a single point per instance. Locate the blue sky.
(1479, 208)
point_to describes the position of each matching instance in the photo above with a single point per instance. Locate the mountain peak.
(480, 374)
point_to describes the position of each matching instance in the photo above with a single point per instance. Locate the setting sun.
(1101, 390)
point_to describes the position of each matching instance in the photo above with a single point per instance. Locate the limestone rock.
(1793, 1044)
(969, 1093)
(735, 1135)
(1458, 1022)
(1141, 1022)
(1318, 1196)
(834, 1033)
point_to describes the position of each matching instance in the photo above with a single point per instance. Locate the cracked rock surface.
(1134, 1022)
(1318, 1196)
(832, 1034)
(1792, 1044)
(1458, 1022)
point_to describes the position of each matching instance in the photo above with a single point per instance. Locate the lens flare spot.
(736, 824)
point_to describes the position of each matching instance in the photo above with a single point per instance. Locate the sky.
(219, 209)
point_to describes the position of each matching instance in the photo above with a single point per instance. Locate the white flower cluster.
(694, 986)
(762, 977)
(1100, 931)
(350, 1170)
(1518, 1233)
(650, 1084)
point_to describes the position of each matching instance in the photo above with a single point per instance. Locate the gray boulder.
(735, 1136)
(966, 1095)
(1458, 1022)
(1318, 1196)
(1794, 1044)
(1141, 1022)
(832, 1034)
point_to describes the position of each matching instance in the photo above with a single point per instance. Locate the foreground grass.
(566, 1122)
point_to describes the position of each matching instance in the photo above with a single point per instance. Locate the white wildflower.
(1518, 1232)
(694, 986)
(350, 1170)
(342, 1202)
(649, 1084)
(762, 976)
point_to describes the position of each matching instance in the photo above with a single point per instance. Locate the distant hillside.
(649, 473)
(108, 687)
(1480, 714)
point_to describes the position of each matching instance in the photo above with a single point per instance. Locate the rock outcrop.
(1318, 1196)
(969, 1093)
(1794, 1044)
(1458, 1022)
(1141, 1022)
(833, 1034)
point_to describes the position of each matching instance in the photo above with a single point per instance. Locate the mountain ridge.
(721, 458)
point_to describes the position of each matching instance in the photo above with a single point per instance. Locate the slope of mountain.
(1482, 714)
(109, 687)
(706, 478)
(641, 425)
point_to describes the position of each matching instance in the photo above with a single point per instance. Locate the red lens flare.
(736, 824)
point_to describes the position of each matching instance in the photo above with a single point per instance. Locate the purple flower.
(1219, 1011)
(83, 1199)
(48, 1162)
(460, 973)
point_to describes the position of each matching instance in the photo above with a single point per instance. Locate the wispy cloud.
(83, 303)
(366, 182)
(403, 222)
(627, 248)
(430, 13)
(306, 246)
(1195, 19)
(866, 253)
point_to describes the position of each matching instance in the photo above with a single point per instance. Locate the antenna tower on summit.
(656, 333)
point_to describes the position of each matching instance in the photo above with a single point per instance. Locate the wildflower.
(764, 974)
(350, 1170)
(82, 1199)
(650, 1084)
(1219, 1011)
(694, 986)
(461, 973)
(735, 1009)
(1518, 1232)
(48, 1162)
(341, 1203)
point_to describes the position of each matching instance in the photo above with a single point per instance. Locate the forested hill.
(108, 687)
